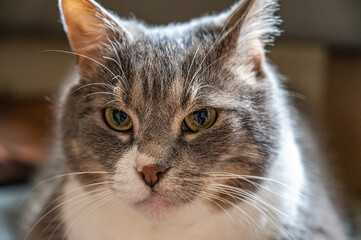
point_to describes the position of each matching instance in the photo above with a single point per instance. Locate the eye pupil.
(201, 116)
(119, 116)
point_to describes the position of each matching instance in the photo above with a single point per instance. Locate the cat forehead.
(163, 67)
(173, 41)
(205, 29)
(173, 66)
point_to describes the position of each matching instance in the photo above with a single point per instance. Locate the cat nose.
(151, 174)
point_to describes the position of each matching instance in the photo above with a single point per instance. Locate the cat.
(178, 132)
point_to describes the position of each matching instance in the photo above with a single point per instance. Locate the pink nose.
(151, 174)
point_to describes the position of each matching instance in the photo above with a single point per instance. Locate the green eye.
(118, 120)
(200, 120)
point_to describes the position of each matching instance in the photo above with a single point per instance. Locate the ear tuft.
(260, 22)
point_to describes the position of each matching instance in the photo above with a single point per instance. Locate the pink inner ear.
(84, 41)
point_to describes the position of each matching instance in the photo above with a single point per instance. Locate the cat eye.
(199, 120)
(117, 120)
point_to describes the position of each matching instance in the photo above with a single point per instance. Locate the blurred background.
(319, 52)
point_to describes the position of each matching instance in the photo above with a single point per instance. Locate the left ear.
(250, 25)
(89, 28)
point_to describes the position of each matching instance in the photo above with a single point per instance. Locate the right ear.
(89, 28)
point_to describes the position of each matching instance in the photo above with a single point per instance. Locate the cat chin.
(155, 207)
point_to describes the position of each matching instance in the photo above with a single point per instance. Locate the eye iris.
(201, 116)
(117, 120)
(199, 120)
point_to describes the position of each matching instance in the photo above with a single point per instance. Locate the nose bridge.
(155, 140)
(155, 137)
(154, 146)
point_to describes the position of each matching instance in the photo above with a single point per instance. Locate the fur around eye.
(117, 120)
(199, 120)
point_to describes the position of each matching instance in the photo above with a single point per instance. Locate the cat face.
(168, 116)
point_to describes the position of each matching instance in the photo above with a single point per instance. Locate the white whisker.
(226, 175)
(81, 216)
(61, 204)
(95, 93)
(264, 211)
(119, 62)
(53, 178)
(235, 206)
(77, 198)
(93, 84)
(81, 55)
(209, 199)
(250, 195)
(194, 57)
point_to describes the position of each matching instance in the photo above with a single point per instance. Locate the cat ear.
(89, 28)
(248, 26)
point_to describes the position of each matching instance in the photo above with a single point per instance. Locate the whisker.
(81, 55)
(56, 177)
(234, 205)
(53, 209)
(87, 199)
(77, 198)
(254, 205)
(210, 66)
(247, 202)
(195, 90)
(110, 93)
(84, 186)
(194, 203)
(259, 186)
(229, 203)
(250, 195)
(209, 199)
(230, 176)
(193, 59)
(119, 62)
(193, 78)
(95, 206)
(111, 101)
(191, 82)
(95, 93)
(93, 84)
(243, 177)
(260, 205)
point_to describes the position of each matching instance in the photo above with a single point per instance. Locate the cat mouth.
(155, 205)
